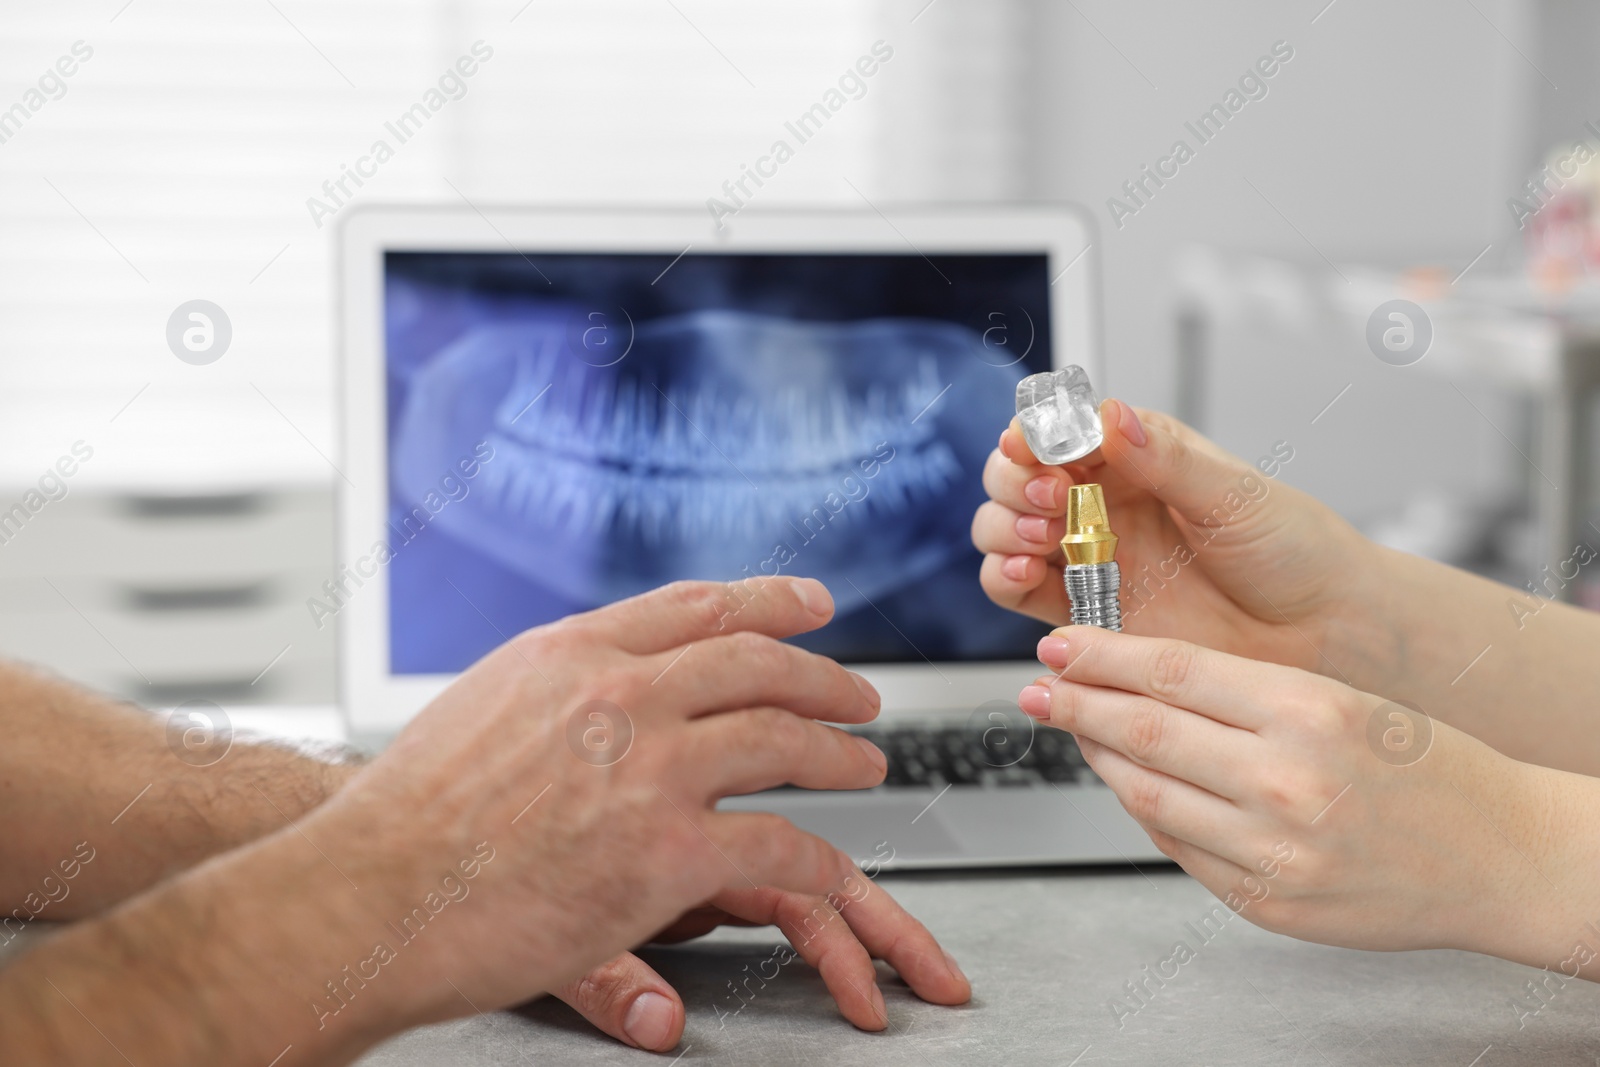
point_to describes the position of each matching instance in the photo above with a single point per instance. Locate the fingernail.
(1053, 650)
(1016, 568)
(1035, 701)
(878, 1005)
(1041, 492)
(649, 1020)
(814, 596)
(874, 753)
(1131, 427)
(955, 968)
(1034, 528)
(867, 691)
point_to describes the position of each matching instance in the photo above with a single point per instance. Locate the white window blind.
(176, 163)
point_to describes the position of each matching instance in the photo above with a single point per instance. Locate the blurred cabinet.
(166, 598)
(1478, 453)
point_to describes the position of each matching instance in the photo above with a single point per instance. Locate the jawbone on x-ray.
(724, 444)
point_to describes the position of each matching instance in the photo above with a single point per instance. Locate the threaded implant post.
(1093, 578)
(1094, 592)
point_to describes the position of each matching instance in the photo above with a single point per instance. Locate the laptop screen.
(566, 430)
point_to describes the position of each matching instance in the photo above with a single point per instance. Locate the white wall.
(1394, 133)
(192, 140)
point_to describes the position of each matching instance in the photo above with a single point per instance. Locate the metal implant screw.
(1093, 590)
(1092, 577)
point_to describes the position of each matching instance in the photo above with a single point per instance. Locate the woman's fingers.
(1014, 446)
(996, 528)
(762, 748)
(1237, 887)
(1021, 560)
(1180, 468)
(1218, 758)
(1025, 584)
(1035, 489)
(1162, 802)
(1218, 875)
(627, 999)
(1233, 690)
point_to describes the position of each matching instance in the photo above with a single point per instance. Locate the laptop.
(545, 411)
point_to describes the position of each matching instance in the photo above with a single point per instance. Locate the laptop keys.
(921, 757)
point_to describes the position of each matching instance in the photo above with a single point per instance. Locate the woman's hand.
(1211, 549)
(1319, 811)
(840, 935)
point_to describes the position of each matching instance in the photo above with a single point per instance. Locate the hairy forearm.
(97, 805)
(224, 964)
(1520, 673)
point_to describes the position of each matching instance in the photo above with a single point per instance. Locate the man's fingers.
(762, 748)
(696, 923)
(627, 999)
(677, 614)
(745, 670)
(823, 939)
(763, 849)
(890, 933)
(1233, 690)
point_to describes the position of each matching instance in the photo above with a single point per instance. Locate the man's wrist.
(219, 965)
(294, 911)
(367, 932)
(261, 785)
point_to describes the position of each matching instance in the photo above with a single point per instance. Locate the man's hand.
(840, 936)
(551, 809)
(588, 755)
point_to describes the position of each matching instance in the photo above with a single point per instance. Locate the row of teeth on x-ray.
(630, 421)
(614, 455)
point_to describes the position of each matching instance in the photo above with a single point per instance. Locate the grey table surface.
(1048, 953)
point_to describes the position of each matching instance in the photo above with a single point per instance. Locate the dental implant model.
(1093, 578)
(1060, 417)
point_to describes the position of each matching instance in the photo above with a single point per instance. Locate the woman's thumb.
(1176, 465)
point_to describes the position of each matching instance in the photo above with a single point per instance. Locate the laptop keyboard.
(936, 756)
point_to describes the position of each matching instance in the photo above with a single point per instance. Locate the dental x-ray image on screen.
(565, 430)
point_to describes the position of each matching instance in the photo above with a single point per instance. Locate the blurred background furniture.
(1395, 136)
